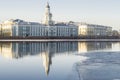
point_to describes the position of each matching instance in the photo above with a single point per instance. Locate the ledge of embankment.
(58, 40)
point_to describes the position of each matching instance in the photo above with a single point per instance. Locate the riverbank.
(59, 40)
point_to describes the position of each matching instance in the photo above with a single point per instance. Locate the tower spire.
(48, 6)
(48, 16)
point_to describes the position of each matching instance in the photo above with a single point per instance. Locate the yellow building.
(85, 29)
(6, 28)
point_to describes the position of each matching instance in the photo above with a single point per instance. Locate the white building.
(22, 28)
(63, 30)
(93, 30)
(59, 29)
(29, 29)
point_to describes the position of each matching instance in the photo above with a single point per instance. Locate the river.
(60, 60)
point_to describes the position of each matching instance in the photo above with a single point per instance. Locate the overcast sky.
(104, 12)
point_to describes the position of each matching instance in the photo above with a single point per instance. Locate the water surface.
(60, 61)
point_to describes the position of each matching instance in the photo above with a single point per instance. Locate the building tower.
(48, 16)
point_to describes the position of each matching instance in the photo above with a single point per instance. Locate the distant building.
(58, 29)
(6, 29)
(22, 28)
(85, 29)
(63, 30)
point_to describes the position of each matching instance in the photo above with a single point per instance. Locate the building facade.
(93, 30)
(63, 31)
(26, 29)
(22, 28)
(6, 29)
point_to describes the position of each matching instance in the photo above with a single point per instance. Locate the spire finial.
(47, 2)
(48, 6)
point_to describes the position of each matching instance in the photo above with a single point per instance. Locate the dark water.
(60, 61)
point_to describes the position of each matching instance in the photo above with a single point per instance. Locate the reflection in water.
(46, 50)
(49, 49)
(93, 46)
(47, 61)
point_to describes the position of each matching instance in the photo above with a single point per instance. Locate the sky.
(103, 12)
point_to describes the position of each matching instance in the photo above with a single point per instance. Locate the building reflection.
(6, 50)
(93, 46)
(47, 61)
(47, 50)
